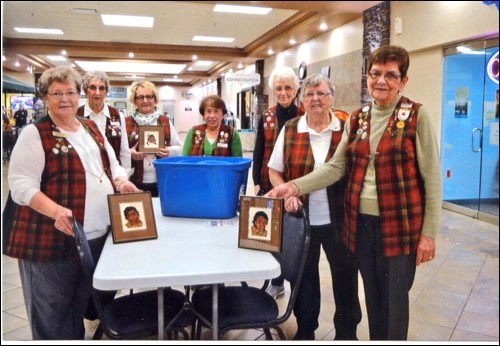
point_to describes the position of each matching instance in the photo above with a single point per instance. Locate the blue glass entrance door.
(469, 140)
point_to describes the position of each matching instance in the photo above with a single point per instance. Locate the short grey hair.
(61, 74)
(284, 72)
(94, 75)
(313, 81)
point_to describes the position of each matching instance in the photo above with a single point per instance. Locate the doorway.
(469, 140)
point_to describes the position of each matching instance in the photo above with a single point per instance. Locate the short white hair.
(284, 72)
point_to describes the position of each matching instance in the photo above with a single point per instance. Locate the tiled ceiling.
(86, 38)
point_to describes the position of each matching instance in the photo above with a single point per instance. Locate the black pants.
(151, 187)
(387, 282)
(344, 272)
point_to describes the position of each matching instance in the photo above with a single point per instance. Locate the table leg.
(161, 315)
(215, 308)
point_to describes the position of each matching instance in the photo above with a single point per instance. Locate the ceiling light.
(40, 31)
(195, 57)
(131, 54)
(134, 21)
(85, 10)
(242, 9)
(323, 26)
(213, 39)
(134, 77)
(270, 51)
(292, 41)
(240, 65)
(63, 52)
(56, 58)
(172, 80)
(131, 67)
(4, 58)
(17, 64)
(203, 63)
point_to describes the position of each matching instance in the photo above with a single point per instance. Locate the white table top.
(188, 251)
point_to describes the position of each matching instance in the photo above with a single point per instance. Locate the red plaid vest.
(299, 161)
(399, 184)
(33, 236)
(271, 132)
(112, 131)
(225, 136)
(133, 138)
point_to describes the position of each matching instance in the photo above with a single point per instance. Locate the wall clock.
(302, 70)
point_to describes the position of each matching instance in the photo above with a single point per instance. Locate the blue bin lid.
(213, 161)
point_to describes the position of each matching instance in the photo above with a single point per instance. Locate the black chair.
(135, 315)
(245, 307)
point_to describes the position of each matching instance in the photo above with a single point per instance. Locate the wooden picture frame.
(255, 211)
(132, 217)
(151, 138)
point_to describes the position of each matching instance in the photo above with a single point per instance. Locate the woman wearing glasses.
(393, 198)
(61, 167)
(95, 85)
(304, 144)
(144, 95)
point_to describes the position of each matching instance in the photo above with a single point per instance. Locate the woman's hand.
(125, 186)
(426, 250)
(136, 155)
(288, 189)
(292, 204)
(163, 152)
(62, 222)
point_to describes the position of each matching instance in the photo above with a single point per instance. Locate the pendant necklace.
(95, 175)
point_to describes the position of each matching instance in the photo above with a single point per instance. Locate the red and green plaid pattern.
(399, 184)
(198, 140)
(33, 236)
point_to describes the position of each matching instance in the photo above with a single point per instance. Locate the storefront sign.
(252, 78)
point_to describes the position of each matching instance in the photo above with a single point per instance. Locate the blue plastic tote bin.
(201, 186)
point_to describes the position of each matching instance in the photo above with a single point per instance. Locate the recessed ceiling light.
(131, 54)
(213, 39)
(40, 31)
(56, 58)
(195, 57)
(134, 21)
(203, 63)
(135, 77)
(131, 67)
(63, 52)
(172, 80)
(323, 26)
(292, 41)
(242, 9)
(270, 51)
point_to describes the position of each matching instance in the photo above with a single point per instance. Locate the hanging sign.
(251, 78)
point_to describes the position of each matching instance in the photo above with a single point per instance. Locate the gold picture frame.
(132, 217)
(261, 220)
(151, 138)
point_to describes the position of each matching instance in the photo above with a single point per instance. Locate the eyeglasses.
(94, 88)
(287, 88)
(320, 94)
(142, 97)
(388, 76)
(58, 95)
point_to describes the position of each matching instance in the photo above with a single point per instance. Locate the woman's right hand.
(136, 155)
(62, 216)
(287, 189)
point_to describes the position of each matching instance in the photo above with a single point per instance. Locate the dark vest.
(400, 188)
(113, 129)
(133, 138)
(223, 143)
(33, 236)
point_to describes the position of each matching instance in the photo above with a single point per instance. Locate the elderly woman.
(144, 95)
(284, 83)
(304, 144)
(393, 197)
(95, 85)
(212, 138)
(61, 167)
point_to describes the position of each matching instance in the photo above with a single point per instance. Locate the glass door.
(469, 141)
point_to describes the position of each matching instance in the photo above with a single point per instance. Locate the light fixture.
(17, 64)
(213, 39)
(203, 63)
(240, 65)
(323, 26)
(242, 9)
(133, 21)
(292, 41)
(131, 54)
(56, 58)
(134, 77)
(63, 52)
(270, 51)
(195, 57)
(39, 31)
(131, 67)
(176, 80)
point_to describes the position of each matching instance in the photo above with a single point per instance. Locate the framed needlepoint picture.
(132, 217)
(151, 138)
(261, 221)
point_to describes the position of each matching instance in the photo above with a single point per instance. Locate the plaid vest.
(271, 132)
(299, 161)
(399, 184)
(223, 143)
(133, 138)
(33, 236)
(112, 131)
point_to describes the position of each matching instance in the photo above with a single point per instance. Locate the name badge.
(222, 145)
(58, 134)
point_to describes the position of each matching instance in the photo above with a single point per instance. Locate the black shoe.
(303, 336)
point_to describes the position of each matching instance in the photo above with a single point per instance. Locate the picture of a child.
(133, 217)
(260, 221)
(151, 141)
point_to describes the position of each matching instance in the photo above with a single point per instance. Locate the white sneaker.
(275, 291)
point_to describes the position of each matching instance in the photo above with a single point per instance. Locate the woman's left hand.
(163, 152)
(126, 186)
(426, 250)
